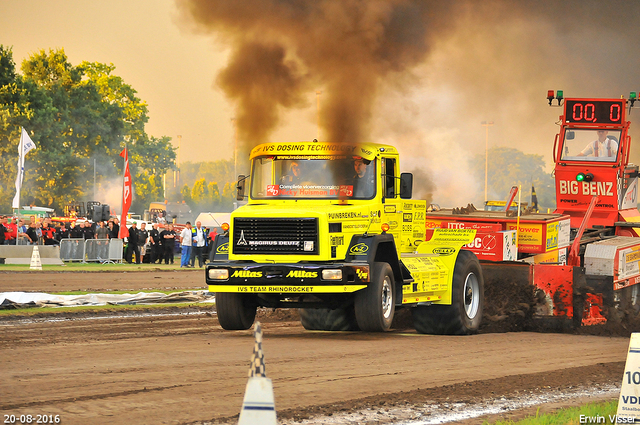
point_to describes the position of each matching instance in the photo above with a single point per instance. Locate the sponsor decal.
(246, 273)
(528, 234)
(552, 236)
(242, 240)
(390, 209)
(630, 194)
(305, 147)
(223, 249)
(359, 249)
(355, 226)
(445, 250)
(336, 240)
(366, 152)
(432, 224)
(346, 190)
(302, 273)
(273, 243)
(277, 289)
(407, 217)
(362, 275)
(343, 215)
(273, 190)
(593, 188)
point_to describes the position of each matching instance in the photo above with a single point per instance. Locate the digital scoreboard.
(592, 111)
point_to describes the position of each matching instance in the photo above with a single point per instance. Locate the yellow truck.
(331, 229)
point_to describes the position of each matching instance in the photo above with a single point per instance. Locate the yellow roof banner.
(366, 151)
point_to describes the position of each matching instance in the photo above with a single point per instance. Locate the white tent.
(209, 219)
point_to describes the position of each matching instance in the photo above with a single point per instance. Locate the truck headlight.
(218, 274)
(332, 274)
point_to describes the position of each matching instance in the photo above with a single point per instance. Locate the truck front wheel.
(464, 315)
(235, 311)
(375, 305)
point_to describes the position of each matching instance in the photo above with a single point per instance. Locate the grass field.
(589, 413)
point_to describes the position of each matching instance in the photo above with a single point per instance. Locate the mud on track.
(183, 368)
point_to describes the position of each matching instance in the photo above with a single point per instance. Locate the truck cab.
(591, 156)
(320, 191)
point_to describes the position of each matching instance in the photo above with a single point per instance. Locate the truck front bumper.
(295, 278)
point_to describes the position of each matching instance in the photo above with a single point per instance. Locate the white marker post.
(258, 407)
(36, 264)
(629, 402)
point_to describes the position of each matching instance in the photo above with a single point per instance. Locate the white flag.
(26, 144)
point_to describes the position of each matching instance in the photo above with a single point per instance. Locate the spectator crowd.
(160, 242)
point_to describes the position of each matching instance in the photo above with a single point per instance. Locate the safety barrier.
(96, 250)
(72, 249)
(100, 250)
(116, 250)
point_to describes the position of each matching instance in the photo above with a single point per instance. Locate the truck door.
(392, 205)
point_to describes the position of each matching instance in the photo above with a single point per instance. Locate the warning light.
(586, 177)
(633, 96)
(384, 227)
(558, 95)
(225, 227)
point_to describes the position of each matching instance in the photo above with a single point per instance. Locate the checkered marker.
(257, 367)
(258, 406)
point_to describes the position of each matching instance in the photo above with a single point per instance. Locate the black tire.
(375, 305)
(464, 315)
(323, 319)
(235, 311)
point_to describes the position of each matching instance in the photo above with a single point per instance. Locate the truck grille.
(275, 236)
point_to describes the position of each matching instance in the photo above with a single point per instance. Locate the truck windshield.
(317, 177)
(591, 145)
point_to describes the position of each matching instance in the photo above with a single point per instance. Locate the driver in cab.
(294, 176)
(363, 186)
(601, 148)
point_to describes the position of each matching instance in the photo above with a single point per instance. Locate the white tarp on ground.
(39, 299)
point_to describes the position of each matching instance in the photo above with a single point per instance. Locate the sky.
(477, 61)
(172, 69)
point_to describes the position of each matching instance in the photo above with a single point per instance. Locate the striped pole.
(258, 406)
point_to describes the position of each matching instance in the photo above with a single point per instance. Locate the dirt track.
(184, 368)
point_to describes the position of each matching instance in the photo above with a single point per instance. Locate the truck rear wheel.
(323, 319)
(375, 305)
(464, 315)
(235, 311)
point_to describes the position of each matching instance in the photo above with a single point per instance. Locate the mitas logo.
(223, 249)
(302, 273)
(246, 273)
(444, 251)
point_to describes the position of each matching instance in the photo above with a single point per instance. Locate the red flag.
(126, 196)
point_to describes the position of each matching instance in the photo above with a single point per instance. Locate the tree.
(77, 116)
(186, 195)
(511, 167)
(199, 195)
(218, 171)
(214, 195)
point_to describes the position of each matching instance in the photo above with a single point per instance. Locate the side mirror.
(240, 186)
(406, 185)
